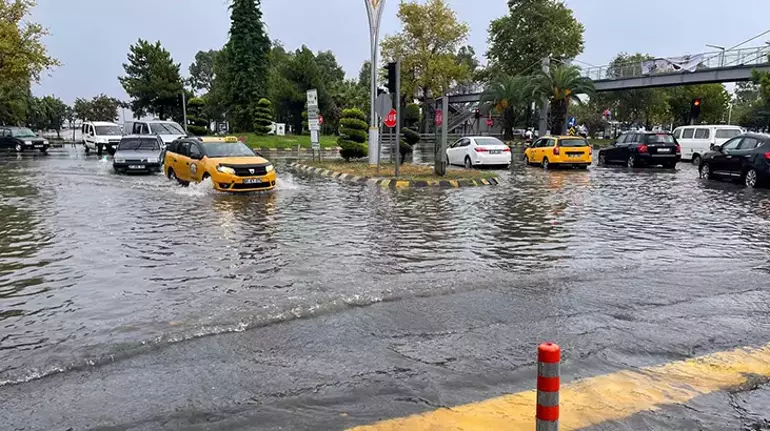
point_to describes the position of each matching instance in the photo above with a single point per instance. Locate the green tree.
(715, 98)
(647, 106)
(591, 115)
(152, 80)
(100, 108)
(264, 117)
(198, 125)
(23, 58)
(428, 47)
(51, 112)
(202, 70)
(762, 79)
(561, 86)
(532, 30)
(509, 97)
(353, 134)
(247, 55)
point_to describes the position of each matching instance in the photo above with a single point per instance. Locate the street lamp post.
(374, 11)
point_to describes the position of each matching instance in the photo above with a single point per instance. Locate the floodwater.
(96, 266)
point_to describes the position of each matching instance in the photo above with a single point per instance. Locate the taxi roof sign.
(212, 139)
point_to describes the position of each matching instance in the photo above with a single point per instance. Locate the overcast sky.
(91, 37)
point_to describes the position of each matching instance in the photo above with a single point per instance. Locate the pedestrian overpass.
(709, 67)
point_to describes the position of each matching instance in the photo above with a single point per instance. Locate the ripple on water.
(94, 265)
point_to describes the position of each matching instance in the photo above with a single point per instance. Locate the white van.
(101, 135)
(168, 131)
(696, 141)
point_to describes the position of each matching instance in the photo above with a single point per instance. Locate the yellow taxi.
(229, 163)
(567, 151)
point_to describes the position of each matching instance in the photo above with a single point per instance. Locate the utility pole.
(397, 141)
(543, 123)
(184, 110)
(374, 10)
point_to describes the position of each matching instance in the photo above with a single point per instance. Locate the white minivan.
(168, 131)
(101, 135)
(696, 141)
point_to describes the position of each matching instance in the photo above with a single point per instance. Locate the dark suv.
(635, 149)
(746, 157)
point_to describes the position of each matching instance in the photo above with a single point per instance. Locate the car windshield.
(573, 143)
(22, 133)
(139, 145)
(727, 133)
(224, 149)
(483, 142)
(166, 129)
(108, 131)
(660, 139)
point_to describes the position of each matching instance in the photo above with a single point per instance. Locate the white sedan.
(479, 151)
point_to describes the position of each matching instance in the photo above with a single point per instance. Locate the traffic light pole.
(397, 141)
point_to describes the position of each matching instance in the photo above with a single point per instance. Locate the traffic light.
(391, 69)
(695, 110)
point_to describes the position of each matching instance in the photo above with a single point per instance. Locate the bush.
(264, 117)
(411, 114)
(353, 134)
(197, 130)
(196, 124)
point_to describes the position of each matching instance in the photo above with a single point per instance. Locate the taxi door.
(537, 150)
(195, 166)
(181, 161)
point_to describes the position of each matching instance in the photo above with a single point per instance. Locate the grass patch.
(288, 141)
(406, 172)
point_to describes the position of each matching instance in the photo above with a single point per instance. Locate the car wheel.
(631, 161)
(546, 163)
(99, 150)
(751, 179)
(88, 150)
(696, 160)
(602, 160)
(172, 175)
(19, 148)
(468, 163)
(526, 160)
(705, 171)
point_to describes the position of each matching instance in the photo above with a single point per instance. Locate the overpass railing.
(703, 61)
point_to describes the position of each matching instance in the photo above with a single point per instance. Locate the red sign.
(390, 119)
(439, 117)
(490, 122)
(320, 119)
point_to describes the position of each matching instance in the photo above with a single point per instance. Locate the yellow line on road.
(598, 399)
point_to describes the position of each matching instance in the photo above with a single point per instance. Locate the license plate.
(38, 146)
(494, 151)
(136, 167)
(664, 150)
(252, 181)
(575, 156)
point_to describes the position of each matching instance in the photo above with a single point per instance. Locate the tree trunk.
(559, 116)
(508, 124)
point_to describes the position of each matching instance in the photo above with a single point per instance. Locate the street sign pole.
(440, 164)
(374, 10)
(543, 123)
(397, 141)
(312, 122)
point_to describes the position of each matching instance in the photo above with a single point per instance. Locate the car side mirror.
(613, 143)
(715, 147)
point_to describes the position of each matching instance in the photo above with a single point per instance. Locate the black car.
(635, 149)
(21, 139)
(746, 157)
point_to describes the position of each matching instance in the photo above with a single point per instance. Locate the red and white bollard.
(548, 359)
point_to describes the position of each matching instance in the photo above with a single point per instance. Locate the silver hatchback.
(139, 154)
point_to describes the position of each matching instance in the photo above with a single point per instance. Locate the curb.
(398, 184)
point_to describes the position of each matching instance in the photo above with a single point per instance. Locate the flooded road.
(98, 269)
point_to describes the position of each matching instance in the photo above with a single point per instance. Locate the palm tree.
(561, 86)
(508, 96)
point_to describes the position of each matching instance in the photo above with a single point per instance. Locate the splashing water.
(285, 182)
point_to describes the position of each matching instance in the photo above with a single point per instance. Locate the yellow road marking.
(402, 184)
(598, 399)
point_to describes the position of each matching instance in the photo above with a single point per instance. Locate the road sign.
(312, 98)
(313, 121)
(383, 105)
(390, 119)
(572, 122)
(439, 117)
(490, 122)
(320, 119)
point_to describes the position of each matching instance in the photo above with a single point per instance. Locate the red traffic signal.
(696, 102)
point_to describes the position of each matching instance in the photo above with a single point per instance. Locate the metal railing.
(710, 60)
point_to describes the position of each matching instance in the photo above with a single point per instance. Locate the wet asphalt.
(130, 303)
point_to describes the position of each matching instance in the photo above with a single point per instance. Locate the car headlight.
(120, 160)
(27, 142)
(45, 142)
(269, 168)
(226, 170)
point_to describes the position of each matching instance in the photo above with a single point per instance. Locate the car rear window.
(727, 133)
(573, 143)
(662, 138)
(488, 141)
(139, 145)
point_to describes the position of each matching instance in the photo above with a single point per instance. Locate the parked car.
(168, 131)
(21, 139)
(563, 151)
(229, 164)
(746, 157)
(101, 135)
(699, 140)
(479, 151)
(635, 149)
(137, 154)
